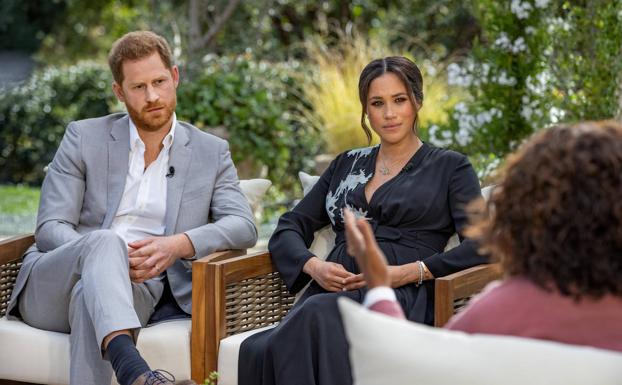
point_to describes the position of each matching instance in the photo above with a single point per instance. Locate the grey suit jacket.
(84, 185)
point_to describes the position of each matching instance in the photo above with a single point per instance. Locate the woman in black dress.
(412, 194)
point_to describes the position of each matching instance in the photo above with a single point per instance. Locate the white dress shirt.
(143, 204)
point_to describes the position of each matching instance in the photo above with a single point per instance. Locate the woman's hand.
(397, 276)
(331, 276)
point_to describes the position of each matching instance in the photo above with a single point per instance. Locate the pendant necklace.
(384, 170)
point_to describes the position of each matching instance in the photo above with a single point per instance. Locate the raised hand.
(361, 243)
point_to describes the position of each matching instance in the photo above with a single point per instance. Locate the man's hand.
(150, 257)
(330, 275)
(361, 243)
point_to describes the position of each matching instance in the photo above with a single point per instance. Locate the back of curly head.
(556, 217)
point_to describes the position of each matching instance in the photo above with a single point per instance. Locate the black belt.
(407, 237)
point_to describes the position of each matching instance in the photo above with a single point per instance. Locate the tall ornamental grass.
(332, 89)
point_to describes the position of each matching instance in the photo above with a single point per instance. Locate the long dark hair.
(556, 217)
(404, 69)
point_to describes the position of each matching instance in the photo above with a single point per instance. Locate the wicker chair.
(11, 251)
(247, 293)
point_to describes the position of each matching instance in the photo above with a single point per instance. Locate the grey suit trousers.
(83, 288)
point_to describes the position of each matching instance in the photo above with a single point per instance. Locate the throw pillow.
(385, 350)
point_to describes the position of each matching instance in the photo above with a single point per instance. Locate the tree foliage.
(261, 109)
(24, 23)
(258, 106)
(538, 62)
(34, 115)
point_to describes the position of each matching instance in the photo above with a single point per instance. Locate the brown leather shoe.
(159, 377)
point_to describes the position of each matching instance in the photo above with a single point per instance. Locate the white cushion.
(39, 356)
(454, 240)
(324, 238)
(228, 353)
(33, 355)
(385, 350)
(254, 190)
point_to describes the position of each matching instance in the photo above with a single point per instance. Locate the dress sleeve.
(463, 188)
(289, 245)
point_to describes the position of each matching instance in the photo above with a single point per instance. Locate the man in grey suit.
(127, 203)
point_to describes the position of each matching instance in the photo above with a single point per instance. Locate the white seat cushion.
(39, 356)
(228, 354)
(385, 350)
(33, 355)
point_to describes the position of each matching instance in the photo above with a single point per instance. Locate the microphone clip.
(171, 172)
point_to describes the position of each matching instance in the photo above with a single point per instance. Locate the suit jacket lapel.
(179, 158)
(118, 163)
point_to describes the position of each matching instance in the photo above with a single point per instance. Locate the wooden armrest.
(12, 249)
(219, 256)
(11, 252)
(241, 293)
(461, 285)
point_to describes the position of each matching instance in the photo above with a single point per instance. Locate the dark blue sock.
(125, 359)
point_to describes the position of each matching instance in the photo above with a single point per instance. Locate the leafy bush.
(585, 59)
(33, 116)
(539, 62)
(261, 109)
(259, 105)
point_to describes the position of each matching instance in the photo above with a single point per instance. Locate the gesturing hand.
(361, 243)
(151, 256)
(331, 276)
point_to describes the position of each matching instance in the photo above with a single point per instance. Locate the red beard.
(152, 120)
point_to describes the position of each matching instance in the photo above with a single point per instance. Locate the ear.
(417, 105)
(175, 74)
(118, 91)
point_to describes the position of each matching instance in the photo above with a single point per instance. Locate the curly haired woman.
(555, 221)
(557, 227)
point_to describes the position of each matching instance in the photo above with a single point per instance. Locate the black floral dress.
(413, 215)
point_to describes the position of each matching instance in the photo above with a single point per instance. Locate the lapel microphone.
(171, 172)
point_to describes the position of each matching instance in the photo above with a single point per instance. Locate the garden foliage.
(257, 106)
(262, 109)
(538, 62)
(33, 116)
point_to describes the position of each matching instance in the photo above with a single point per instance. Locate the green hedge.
(34, 115)
(259, 105)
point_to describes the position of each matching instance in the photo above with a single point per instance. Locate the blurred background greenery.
(278, 78)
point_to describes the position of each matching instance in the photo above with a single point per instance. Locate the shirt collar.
(167, 141)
